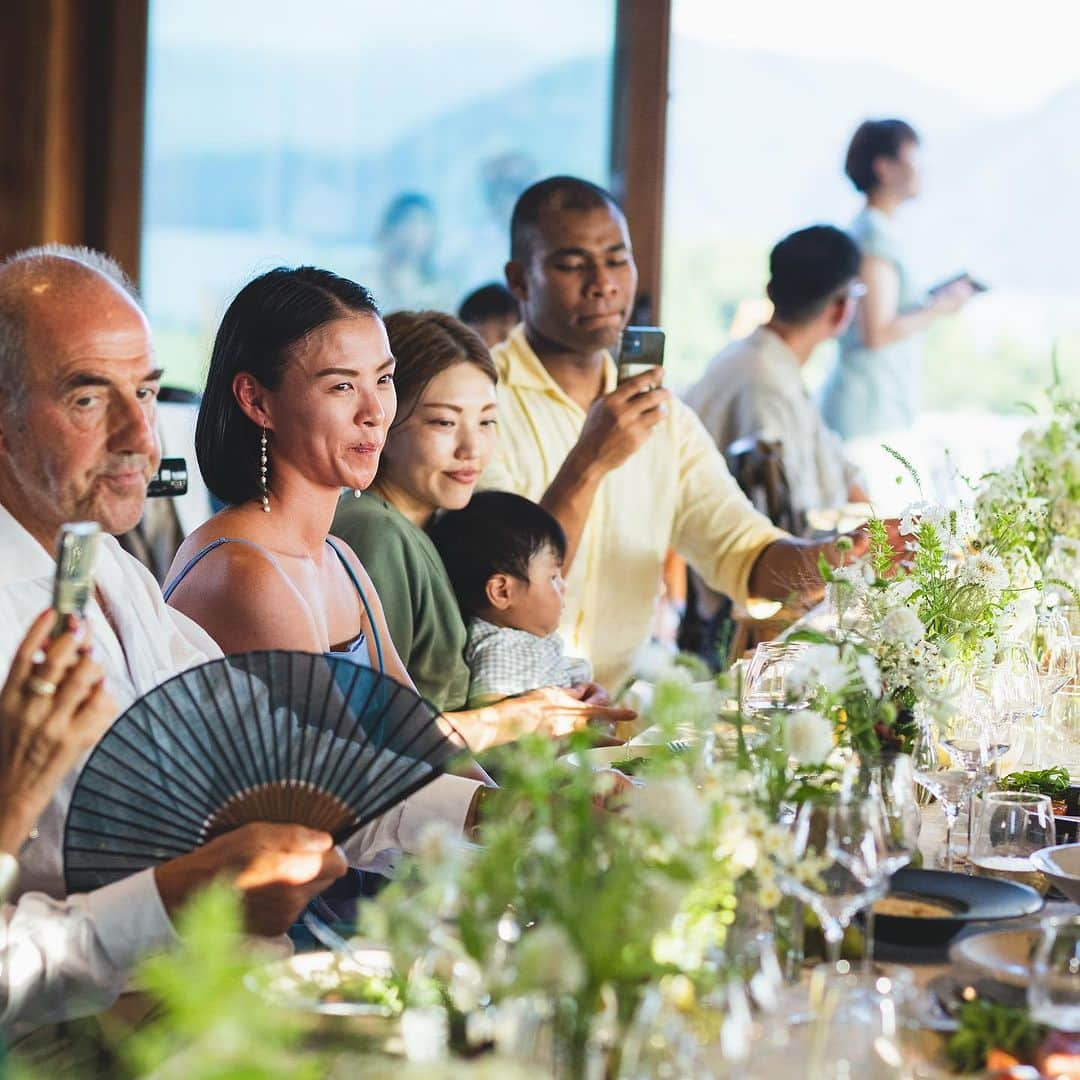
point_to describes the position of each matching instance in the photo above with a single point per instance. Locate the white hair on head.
(46, 257)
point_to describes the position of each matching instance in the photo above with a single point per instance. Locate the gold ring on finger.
(40, 687)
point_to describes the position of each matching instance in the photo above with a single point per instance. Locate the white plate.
(1004, 956)
(299, 982)
(1061, 865)
(839, 518)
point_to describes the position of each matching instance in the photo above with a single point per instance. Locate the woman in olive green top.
(436, 450)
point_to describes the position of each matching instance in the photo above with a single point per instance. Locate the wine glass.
(949, 773)
(1013, 825)
(1053, 993)
(859, 1023)
(1015, 696)
(887, 783)
(832, 864)
(1064, 725)
(766, 686)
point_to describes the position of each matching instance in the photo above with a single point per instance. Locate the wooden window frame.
(639, 136)
(75, 71)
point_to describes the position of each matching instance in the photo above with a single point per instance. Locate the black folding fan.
(294, 737)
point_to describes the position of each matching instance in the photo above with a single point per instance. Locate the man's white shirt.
(755, 387)
(62, 957)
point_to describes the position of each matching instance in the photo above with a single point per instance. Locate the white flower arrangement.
(1029, 513)
(809, 737)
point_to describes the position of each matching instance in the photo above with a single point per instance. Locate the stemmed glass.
(832, 864)
(888, 786)
(949, 772)
(1015, 694)
(1057, 666)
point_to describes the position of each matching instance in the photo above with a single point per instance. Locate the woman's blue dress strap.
(199, 555)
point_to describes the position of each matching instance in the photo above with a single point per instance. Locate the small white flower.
(545, 842)
(986, 570)
(818, 667)
(871, 674)
(675, 806)
(902, 589)
(910, 517)
(809, 737)
(902, 626)
(436, 842)
(547, 960)
(652, 661)
(769, 896)
(745, 853)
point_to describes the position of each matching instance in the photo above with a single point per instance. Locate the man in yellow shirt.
(628, 470)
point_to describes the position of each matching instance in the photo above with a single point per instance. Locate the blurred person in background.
(492, 311)
(876, 383)
(405, 268)
(754, 387)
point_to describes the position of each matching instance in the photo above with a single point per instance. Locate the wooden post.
(72, 108)
(638, 135)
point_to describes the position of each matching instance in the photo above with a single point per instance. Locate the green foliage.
(1053, 782)
(211, 1026)
(986, 1026)
(881, 553)
(907, 465)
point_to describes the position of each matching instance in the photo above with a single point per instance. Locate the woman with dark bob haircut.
(875, 385)
(299, 398)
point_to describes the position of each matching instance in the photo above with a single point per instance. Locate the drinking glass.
(1012, 825)
(859, 1021)
(888, 784)
(832, 864)
(949, 773)
(1054, 990)
(1064, 726)
(1016, 693)
(766, 687)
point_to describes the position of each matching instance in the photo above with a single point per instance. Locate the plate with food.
(360, 983)
(930, 907)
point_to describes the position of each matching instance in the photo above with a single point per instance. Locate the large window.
(764, 100)
(387, 142)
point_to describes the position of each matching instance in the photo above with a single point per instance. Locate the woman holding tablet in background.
(876, 384)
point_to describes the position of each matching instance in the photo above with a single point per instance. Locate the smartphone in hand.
(73, 583)
(642, 348)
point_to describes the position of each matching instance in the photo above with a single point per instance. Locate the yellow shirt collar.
(519, 366)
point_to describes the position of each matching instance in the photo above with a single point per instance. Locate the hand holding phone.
(953, 293)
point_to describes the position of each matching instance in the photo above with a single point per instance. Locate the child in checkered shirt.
(504, 555)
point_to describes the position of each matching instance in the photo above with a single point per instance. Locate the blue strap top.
(357, 649)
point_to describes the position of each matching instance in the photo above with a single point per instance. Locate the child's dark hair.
(497, 533)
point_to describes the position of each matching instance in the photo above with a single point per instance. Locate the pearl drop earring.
(262, 474)
(356, 493)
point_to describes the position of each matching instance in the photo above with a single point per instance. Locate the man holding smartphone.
(628, 471)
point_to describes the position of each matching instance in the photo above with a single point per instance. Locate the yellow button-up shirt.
(675, 491)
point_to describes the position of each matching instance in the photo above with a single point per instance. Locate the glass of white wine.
(1011, 826)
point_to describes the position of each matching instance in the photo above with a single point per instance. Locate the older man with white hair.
(78, 384)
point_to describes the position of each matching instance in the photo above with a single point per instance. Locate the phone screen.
(642, 348)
